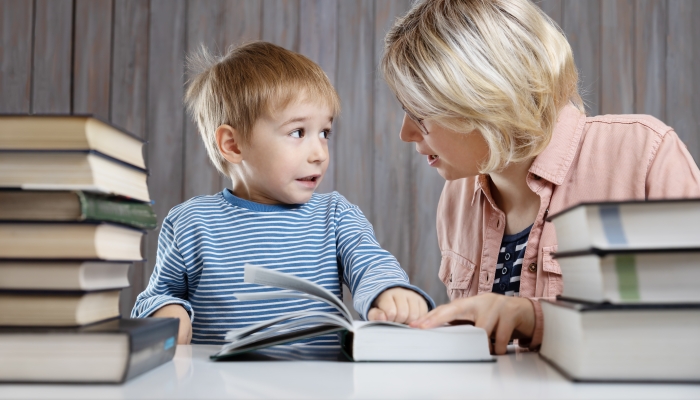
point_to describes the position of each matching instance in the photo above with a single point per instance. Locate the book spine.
(101, 208)
(151, 348)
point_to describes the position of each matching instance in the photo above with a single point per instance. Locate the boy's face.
(287, 155)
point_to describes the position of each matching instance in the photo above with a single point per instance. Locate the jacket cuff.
(536, 340)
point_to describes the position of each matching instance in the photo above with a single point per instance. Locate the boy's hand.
(398, 305)
(184, 335)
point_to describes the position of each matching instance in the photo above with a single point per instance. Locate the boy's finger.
(402, 307)
(388, 306)
(415, 309)
(376, 314)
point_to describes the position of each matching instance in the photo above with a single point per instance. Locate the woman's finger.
(486, 318)
(458, 309)
(502, 335)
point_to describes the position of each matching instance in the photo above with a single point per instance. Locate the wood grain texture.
(166, 115)
(680, 113)
(53, 53)
(356, 73)
(318, 39)
(215, 25)
(16, 21)
(130, 66)
(128, 105)
(92, 51)
(392, 157)
(553, 8)
(581, 23)
(617, 57)
(650, 57)
(280, 23)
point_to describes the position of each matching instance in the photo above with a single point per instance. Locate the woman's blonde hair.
(502, 67)
(249, 82)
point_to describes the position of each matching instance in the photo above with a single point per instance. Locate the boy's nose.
(319, 152)
(409, 131)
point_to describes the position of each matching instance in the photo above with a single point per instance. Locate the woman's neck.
(514, 197)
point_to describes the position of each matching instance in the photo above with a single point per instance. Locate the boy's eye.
(299, 133)
(325, 134)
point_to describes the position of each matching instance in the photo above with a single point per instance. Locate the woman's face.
(455, 154)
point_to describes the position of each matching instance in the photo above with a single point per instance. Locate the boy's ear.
(229, 142)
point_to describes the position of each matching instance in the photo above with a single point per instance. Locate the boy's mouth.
(309, 181)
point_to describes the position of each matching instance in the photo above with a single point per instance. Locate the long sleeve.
(367, 269)
(168, 283)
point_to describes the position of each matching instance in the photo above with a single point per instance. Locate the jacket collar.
(554, 162)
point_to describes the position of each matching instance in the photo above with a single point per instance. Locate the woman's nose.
(409, 131)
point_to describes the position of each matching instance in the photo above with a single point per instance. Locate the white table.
(191, 375)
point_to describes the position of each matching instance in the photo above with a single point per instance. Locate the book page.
(263, 276)
(283, 295)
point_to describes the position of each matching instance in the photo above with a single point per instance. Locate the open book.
(361, 340)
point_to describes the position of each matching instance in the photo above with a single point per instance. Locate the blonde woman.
(490, 94)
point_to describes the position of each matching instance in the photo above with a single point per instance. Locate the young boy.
(265, 115)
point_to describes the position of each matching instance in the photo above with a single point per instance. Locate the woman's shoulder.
(631, 128)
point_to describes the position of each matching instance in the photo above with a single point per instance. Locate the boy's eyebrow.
(298, 119)
(294, 119)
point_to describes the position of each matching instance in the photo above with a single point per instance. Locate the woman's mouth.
(432, 159)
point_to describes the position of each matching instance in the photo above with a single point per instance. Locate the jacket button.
(532, 267)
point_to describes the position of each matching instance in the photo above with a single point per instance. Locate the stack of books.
(630, 308)
(74, 207)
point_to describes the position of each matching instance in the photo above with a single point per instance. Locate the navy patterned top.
(510, 263)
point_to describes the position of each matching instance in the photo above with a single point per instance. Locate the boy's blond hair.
(500, 66)
(249, 82)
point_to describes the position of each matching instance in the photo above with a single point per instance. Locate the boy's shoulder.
(333, 200)
(206, 204)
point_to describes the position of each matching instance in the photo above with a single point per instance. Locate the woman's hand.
(398, 305)
(184, 335)
(502, 317)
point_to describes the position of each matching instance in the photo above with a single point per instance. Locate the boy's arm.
(367, 269)
(168, 283)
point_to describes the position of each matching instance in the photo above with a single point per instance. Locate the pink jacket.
(608, 157)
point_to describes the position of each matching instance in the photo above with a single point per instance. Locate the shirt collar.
(554, 162)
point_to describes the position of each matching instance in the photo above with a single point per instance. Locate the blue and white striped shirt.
(205, 242)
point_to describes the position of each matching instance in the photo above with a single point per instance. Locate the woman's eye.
(326, 134)
(298, 134)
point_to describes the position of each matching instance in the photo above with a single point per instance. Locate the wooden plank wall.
(125, 60)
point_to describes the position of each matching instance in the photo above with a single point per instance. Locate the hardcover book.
(606, 342)
(69, 240)
(70, 132)
(72, 170)
(630, 225)
(108, 352)
(18, 205)
(57, 308)
(361, 340)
